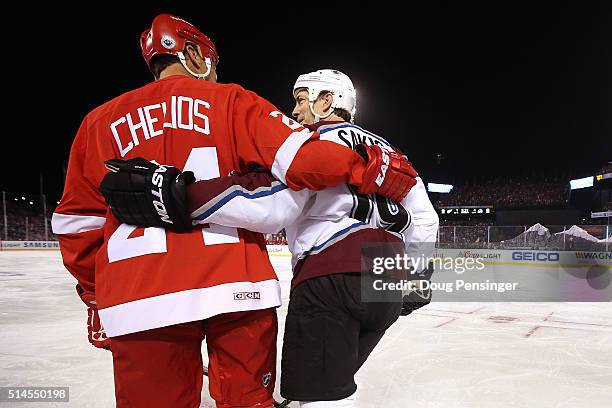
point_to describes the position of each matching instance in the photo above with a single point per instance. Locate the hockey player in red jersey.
(152, 294)
(325, 232)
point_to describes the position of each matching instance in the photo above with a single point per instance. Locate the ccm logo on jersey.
(383, 169)
(158, 180)
(247, 295)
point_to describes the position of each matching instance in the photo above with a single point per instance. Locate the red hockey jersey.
(146, 278)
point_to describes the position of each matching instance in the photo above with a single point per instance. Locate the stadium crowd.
(24, 218)
(550, 192)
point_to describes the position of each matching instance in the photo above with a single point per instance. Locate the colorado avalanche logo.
(265, 379)
(168, 42)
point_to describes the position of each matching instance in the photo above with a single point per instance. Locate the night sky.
(492, 89)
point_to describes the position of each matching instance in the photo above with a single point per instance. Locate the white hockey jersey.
(321, 226)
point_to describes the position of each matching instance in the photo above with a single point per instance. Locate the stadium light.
(23, 198)
(581, 183)
(439, 188)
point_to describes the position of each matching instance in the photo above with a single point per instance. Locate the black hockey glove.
(143, 193)
(416, 299)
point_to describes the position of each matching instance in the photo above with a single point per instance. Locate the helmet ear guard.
(169, 35)
(331, 80)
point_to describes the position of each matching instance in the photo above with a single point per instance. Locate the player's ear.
(194, 55)
(328, 98)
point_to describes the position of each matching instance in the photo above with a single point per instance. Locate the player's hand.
(416, 299)
(95, 332)
(143, 193)
(387, 173)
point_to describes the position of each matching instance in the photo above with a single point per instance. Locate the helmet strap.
(318, 117)
(196, 75)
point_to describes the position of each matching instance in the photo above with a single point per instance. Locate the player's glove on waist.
(387, 172)
(416, 299)
(147, 194)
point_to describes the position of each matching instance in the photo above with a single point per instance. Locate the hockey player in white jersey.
(329, 331)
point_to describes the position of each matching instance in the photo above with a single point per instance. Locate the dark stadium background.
(467, 90)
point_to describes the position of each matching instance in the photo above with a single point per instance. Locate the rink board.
(489, 257)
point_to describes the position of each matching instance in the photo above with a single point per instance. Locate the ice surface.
(446, 355)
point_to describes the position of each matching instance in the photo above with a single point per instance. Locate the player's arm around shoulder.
(147, 194)
(265, 136)
(255, 201)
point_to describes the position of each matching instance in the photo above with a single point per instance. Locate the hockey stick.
(283, 404)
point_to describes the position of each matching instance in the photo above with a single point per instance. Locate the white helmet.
(339, 84)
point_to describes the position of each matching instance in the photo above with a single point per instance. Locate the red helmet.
(169, 34)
